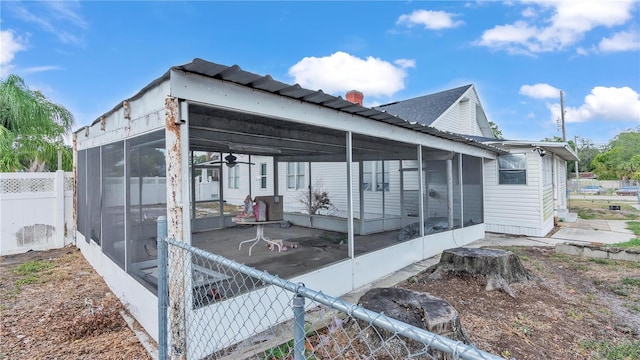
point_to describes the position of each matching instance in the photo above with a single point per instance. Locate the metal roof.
(266, 83)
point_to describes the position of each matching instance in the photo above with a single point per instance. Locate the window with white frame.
(233, 178)
(512, 169)
(381, 180)
(295, 176)
(263, 175)
(382, 176)
(367, 180)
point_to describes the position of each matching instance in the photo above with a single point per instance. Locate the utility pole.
(564, 133)
(575, 145)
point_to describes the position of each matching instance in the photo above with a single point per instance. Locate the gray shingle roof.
(425, 109)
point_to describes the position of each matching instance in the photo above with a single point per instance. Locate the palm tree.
(31, 128)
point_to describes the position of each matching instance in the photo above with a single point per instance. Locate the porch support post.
(420, 190)
(450, 193)
(403, 211)
(276, 187)
(361, 197)
(177, 179)
(460, 178)
(350, 195)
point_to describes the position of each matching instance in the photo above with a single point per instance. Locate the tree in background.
(621, 160)
(585, 149)
(497, 133)
(31, 129)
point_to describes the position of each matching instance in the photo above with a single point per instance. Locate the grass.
(620, 290)
(613, 351)
(633, 307)
(574, 314)
(599, 209)
(634, 226)
(631, 281)
(633, 243)
(600, 261)
(31, 272)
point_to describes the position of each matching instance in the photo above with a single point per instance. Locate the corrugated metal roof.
(236, 75)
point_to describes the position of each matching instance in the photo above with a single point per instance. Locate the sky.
(90, 55)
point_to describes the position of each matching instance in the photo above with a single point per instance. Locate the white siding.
(332, 178)
(450, 120)
(248, 173)
(514, 209)
(461, 117)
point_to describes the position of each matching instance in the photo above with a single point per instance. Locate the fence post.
(162, 286)
(298, 327)
(59, 199)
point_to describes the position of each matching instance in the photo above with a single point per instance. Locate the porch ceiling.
(219, 130)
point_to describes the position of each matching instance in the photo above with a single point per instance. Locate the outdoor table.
(259, 233)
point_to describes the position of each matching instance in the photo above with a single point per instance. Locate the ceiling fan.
(230, 160)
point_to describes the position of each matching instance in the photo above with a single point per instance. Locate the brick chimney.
(355, 97)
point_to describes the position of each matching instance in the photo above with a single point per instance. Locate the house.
(195, 142)
(525, 190)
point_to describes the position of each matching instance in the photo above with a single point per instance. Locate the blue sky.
(90, 55)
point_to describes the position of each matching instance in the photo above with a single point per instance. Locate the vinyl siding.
(514, 209)
(461, 118)
(237, 196)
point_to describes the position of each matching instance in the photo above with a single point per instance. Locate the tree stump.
(500, 268)
(419, 309)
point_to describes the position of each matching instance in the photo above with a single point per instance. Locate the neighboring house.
(138, 162)
(523, 189)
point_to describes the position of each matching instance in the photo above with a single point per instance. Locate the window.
(381, 170)
(113, 201)
(94, 195)
(295, 175)
(512, 169)
(263, 175)
(382, 176)
(233, 178)
(366, 176)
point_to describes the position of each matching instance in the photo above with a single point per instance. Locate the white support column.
(177, 145)
(421, 190)
(450, 193)
(460, 177)
(350, 196)
(361, 196)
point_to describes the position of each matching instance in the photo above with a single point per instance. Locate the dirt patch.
(577, 309)
(54, 306)
(580, 308)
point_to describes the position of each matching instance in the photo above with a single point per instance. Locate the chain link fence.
(233, 311)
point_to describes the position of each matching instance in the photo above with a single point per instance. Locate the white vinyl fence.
(36, 211)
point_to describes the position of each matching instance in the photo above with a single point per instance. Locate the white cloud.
(11, 44)
(37, 69)
(60, 18)
(581, 51)
(603, 103)
(559, 24)
(431, 20)
(531, 115)
(540, 91)
(343, 72)
(529, 12)
(621, 41)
